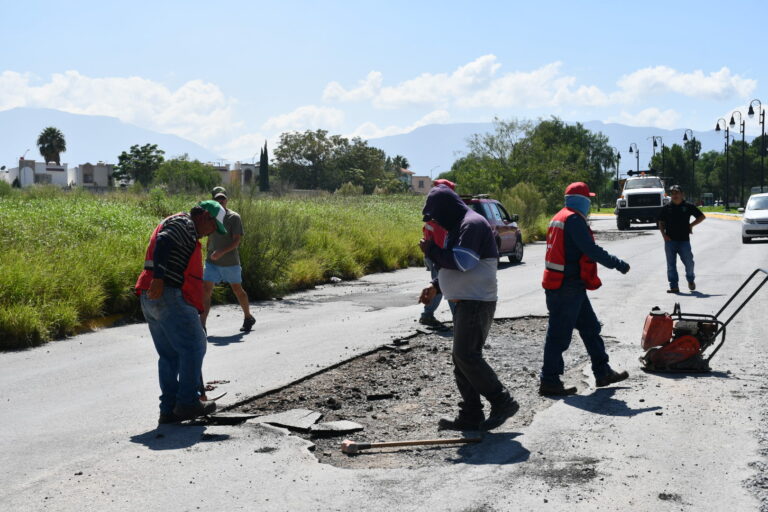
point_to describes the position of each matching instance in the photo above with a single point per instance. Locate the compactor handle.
(749, 297)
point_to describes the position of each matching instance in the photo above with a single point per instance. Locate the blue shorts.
(217, 274)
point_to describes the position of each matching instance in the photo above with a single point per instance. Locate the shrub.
(525, 200)
(350, 189)
(5, 189)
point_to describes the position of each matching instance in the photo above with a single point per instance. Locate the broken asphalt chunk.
(335, 428)
(294, 419)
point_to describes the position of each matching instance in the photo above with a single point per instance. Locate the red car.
(509, 238)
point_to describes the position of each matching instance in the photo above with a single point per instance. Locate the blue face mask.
(578, 203)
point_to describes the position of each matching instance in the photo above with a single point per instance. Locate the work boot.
(547, 389)
(691, 285)
(167, 418)
(500, 413)
(611, 378)
(673, 289)
(462, 422)
(430, 321)
(248, 323)
(200, 408)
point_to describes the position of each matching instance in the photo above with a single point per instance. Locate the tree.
(51, 143)
(139, 164)
(264, 169)
(184, 175)
(316, 160)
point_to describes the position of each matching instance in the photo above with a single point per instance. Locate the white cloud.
(370, 130)
(367, 88)
(439, 88)
(655, 81)
(197, 110)
(479, 84)
(652, 116)
(243, 147)
(308, 117)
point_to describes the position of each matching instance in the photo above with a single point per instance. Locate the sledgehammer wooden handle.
(348, 446)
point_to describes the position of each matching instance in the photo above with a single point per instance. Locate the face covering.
(578, 203)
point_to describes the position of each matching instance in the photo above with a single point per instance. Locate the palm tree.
(51, 142)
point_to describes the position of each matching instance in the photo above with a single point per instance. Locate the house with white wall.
(88, 175)
(30, 172)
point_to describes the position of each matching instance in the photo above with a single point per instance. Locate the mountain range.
(89, 138)
(430, 149)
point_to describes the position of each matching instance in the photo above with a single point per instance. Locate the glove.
(622, 267)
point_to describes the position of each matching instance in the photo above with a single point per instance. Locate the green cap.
(217, 212)
(218, 190)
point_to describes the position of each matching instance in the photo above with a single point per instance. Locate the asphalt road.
(77, 424)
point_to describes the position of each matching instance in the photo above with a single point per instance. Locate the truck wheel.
(622, 223)
(517, 254)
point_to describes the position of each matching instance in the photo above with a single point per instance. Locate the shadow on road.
(698, 294)
(601, 401)
(496, 448)
(221, 341)
(175, 437)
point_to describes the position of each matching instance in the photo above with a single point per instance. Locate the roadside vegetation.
(66, 257)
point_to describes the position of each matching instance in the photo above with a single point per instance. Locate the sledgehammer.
(351, 447)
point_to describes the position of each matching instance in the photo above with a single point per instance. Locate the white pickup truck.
(640, 201)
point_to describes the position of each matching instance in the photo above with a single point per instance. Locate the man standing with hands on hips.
(676, 228)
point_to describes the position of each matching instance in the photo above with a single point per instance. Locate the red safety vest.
(433, 231)
(554, 259)
(192, 288)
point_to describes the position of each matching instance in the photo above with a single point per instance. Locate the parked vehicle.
(509, 238)
(754, 224)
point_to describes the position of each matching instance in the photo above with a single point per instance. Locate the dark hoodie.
(468, 261)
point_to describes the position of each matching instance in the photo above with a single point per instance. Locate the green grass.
(66, 257)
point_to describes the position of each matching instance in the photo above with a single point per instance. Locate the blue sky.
(230, 74)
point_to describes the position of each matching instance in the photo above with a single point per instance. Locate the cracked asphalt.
(77, 424)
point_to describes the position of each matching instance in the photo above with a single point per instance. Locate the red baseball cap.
(578, 188)
(451, 185)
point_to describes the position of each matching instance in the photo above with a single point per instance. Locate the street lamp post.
(655, 145)
(727, 142)
(633, 149)
(761, 118)
(743, 144)
(692, 140)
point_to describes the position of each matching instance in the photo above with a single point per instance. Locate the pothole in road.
(400, 395)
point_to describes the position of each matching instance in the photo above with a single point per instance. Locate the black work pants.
(472, 321)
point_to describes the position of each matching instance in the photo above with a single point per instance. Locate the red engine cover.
(678, 350)
(657, 330)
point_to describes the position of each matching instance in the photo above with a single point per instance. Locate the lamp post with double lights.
(743, 144)
(727, 143)
(761, 118)
(692, 140)
(633, 149)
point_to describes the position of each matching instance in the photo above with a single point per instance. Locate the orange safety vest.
(554, 259)
(192, 288)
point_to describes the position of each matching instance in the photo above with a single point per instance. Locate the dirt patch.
(400, 395)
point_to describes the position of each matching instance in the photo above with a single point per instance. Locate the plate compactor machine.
(686, 342)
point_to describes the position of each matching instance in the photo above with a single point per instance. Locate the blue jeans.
(569, 309)
(429, 309)
(180, 343)
(683, 249)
